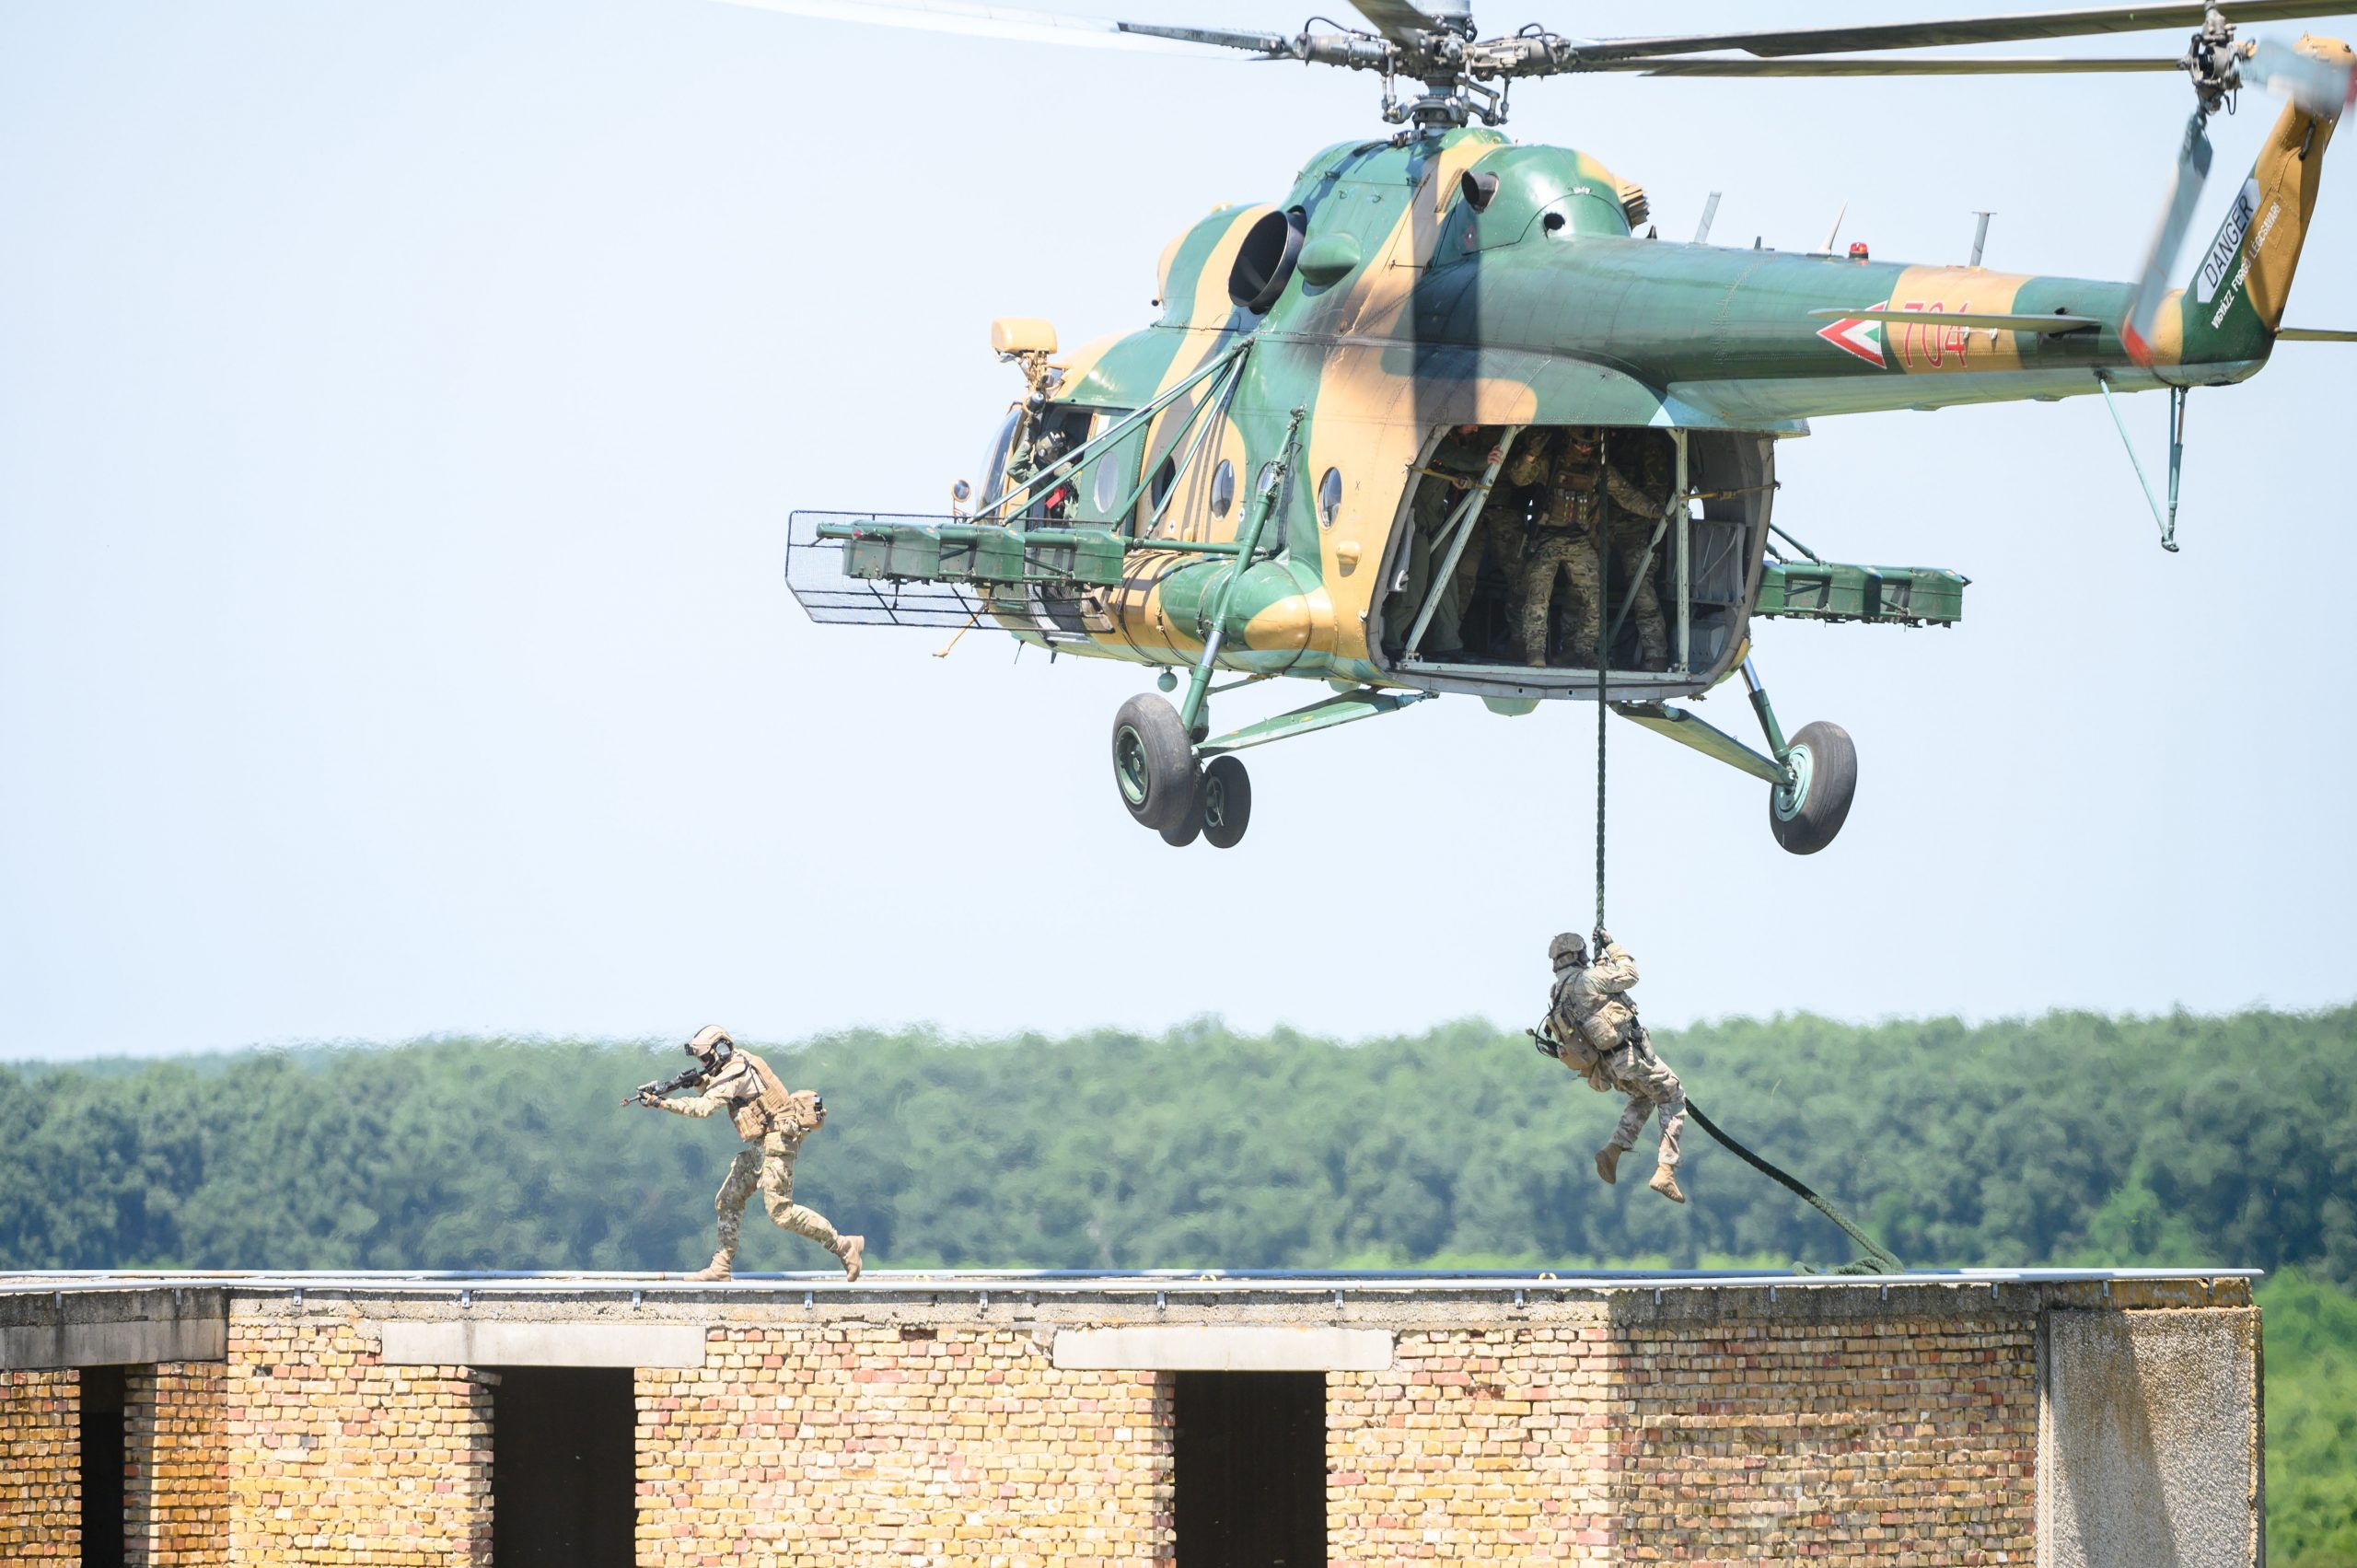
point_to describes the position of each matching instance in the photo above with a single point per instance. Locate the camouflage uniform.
(1641, 474)
(1565, 542)
(772, 1123)
(1591, 1018)
(1457, 464)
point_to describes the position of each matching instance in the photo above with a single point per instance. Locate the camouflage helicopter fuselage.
(1411, 310)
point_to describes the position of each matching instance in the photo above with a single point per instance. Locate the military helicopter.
(1258, 484)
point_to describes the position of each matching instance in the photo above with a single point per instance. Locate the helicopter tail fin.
(2233, 303)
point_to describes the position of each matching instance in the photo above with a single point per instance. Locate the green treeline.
(2071, 1138)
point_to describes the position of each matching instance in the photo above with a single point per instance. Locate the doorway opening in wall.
(1249, 1470)
(564, 1468)
(101, 1478)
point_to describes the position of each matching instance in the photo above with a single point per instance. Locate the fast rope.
(1603, 658)
(1879, 1259)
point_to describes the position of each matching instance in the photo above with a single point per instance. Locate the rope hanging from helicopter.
(1878, 1258)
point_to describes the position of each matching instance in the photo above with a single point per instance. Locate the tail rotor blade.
(2160, 263)
(2319, 86)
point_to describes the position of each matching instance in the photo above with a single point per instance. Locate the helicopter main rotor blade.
(1962, 30)
(1029, 27)
(1899, 66)
(1401, 20)
(2319, 86)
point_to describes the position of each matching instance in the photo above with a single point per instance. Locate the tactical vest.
(759, 1102)
(1602, 1020)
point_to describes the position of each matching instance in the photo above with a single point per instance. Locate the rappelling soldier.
(1592, 1028)
(772, 1122)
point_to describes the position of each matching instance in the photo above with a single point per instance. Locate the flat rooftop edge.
(885, 1283)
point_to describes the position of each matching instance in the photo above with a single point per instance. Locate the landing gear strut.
(1811, 778)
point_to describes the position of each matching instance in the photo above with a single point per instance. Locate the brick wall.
(1864, 1441)
(852, 1442)
(176, 1469)
(41, 1459)
(335, 1458)
(1477, 1445)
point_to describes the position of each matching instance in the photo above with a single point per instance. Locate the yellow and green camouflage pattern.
(1418, 298)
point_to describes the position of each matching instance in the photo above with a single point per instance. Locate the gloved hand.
(1601, 938)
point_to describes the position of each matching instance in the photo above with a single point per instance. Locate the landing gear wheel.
(1190, 827)
(1153, 763)
(1805, 815)
(1227, 802)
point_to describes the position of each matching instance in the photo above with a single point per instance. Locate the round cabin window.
(1330, 498)
(1164, 477)
(1108, 489)
(1222, 488)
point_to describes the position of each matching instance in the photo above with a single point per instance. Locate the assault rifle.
(657, 1090)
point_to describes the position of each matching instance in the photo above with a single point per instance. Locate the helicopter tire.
(1153, 763)
(1190, 827)
(1806, 818)
(1227, 808)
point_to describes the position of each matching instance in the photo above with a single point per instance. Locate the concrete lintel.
(129, 1341)
(1213, 1347)
(490, 1342)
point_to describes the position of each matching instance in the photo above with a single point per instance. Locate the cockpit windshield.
(993, 469)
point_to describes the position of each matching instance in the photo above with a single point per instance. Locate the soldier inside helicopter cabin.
(1592, 1028)
(1584, 507)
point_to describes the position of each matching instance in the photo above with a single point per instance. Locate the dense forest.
(2067, 1139)
(2071, 1138)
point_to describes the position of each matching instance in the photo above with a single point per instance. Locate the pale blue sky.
(400, 407)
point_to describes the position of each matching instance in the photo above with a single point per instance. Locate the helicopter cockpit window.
(1222, 488)
(993, 469)
(1330, 498)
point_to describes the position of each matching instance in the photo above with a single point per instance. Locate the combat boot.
(1608, 1165)
(851, 1250)
(715, 1272)
(1664, 1183)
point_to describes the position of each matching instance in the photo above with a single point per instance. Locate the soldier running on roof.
(772, 1122)
(1566, 541)
(1592, 1028)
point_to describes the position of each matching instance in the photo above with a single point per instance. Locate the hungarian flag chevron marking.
(1855, 335)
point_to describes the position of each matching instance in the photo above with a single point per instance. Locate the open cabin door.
(1487, 590)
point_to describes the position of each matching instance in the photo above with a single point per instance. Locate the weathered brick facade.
(176, 1466)
(839, 1442)
(1908, 1440)
(336, 1459)
(946, 1421)
(40, 1455)
(1477, 1445)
